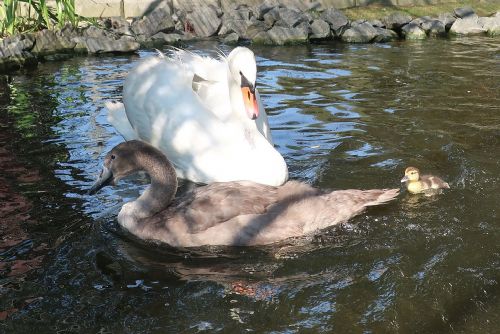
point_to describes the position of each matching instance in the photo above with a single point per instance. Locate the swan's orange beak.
(251, 106)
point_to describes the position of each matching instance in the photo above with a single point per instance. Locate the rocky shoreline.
(265, 24)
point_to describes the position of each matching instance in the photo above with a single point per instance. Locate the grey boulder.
(467, 26)
(160, 19)
(48, 42)
(491, 24)
(336, 19)
(463, 12)
(384, 35)
(412, 31)
(360, 33)
(433, 27)
(204, 21)
(320, 29)
(396, 21)
(282, 35)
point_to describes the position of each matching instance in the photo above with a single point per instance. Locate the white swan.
(204, 113)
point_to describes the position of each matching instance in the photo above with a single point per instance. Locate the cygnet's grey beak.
(105, 178)
(404, 179)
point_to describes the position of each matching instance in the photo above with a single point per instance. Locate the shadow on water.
(343, 116)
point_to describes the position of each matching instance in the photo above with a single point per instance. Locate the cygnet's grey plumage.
(226, 213)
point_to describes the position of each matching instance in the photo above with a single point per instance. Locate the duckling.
(415, 183)
(236, 213)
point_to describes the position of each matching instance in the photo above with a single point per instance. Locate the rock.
(15, 45)
(468, 26)
(359, 33)
(384, 35)
(238, 14)
(107, 44)
(412, 31)
(171, 38)
(232, 38)
(433, 27)
(289, 18)
(271, 17)
(237, 26)
(447, 19)
(336, 19)
(396, 21)
(264, 8)
(244, 29)
(95, 32)
(491, 24)
(262, 38)
(311, 16)
(48, 41)
(320, 29)
(254, 28)
(204, 21)
(119, 25)
(160, 19)
(14, 52)
(376, 23)
(282, 35)
(14, 62)
(463, 12)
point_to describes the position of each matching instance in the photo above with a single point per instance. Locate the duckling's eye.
(112, 157)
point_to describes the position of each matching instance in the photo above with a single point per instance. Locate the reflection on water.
(343, 116)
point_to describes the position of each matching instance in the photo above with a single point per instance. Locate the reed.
(39, 15)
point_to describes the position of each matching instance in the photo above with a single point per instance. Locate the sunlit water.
(343, 116)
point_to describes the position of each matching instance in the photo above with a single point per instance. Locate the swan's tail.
(118, 118)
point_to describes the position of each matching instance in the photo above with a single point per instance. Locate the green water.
(343, 116)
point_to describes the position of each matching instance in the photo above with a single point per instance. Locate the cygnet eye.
(112, 157)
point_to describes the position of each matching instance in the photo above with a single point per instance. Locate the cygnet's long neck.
(163, 184)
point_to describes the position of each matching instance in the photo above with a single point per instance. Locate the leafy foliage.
(39, 15)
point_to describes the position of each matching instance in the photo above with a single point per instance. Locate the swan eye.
(112, 157)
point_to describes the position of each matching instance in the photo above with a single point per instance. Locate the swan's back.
(246, 213)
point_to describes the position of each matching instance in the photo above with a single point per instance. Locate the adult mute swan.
(226, 213)
(204, 113)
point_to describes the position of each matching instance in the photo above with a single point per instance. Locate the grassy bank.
(481, 7)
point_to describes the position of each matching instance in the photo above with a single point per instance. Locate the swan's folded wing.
(209, 81)
(219, 202)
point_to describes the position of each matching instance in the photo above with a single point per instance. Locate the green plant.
(8, 12)
(43, 16)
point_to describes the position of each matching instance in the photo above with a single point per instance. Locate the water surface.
(343, 116)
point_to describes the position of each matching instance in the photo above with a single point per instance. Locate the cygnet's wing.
(217, 203)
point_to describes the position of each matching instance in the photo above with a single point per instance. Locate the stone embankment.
(263, 24)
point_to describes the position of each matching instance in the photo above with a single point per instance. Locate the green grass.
(481, 7)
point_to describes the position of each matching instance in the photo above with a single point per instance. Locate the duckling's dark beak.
(105, 178)
(404, 179)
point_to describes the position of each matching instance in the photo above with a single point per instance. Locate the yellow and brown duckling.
(416, 183)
